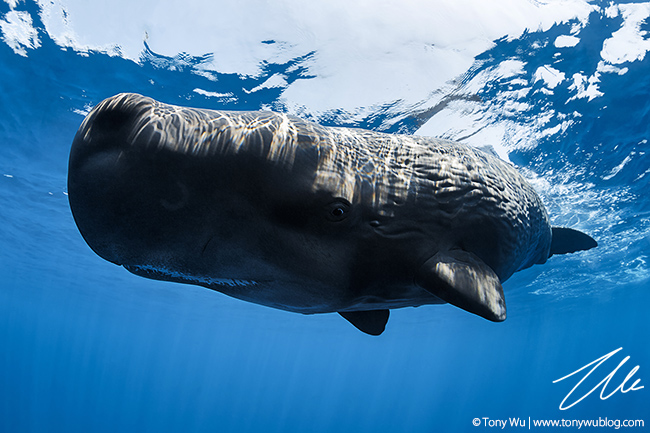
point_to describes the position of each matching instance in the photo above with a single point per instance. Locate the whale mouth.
(165, 274)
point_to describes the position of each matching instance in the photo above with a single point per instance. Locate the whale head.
(172, 195)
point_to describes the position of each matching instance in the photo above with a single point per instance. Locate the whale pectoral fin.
(371, 322)
(464, 280)
(566, 240)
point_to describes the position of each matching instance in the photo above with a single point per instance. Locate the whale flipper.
(464, 280)
(372, 322)
(566, 240)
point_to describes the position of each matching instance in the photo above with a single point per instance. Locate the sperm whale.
(279, 211)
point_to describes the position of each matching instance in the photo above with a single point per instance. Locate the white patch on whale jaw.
(164, 274)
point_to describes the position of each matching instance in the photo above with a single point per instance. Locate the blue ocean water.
(88, 347)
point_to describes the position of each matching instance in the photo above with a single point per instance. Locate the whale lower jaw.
(261, 292)
(164, 274)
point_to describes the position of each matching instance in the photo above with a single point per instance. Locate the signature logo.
(603, 384)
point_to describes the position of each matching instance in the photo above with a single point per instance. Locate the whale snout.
(126, 199)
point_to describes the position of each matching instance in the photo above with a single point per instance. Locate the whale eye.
(338, 210)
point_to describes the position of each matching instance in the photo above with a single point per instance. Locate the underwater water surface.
(86, 346)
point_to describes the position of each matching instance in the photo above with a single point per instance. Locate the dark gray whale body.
(282, 212)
